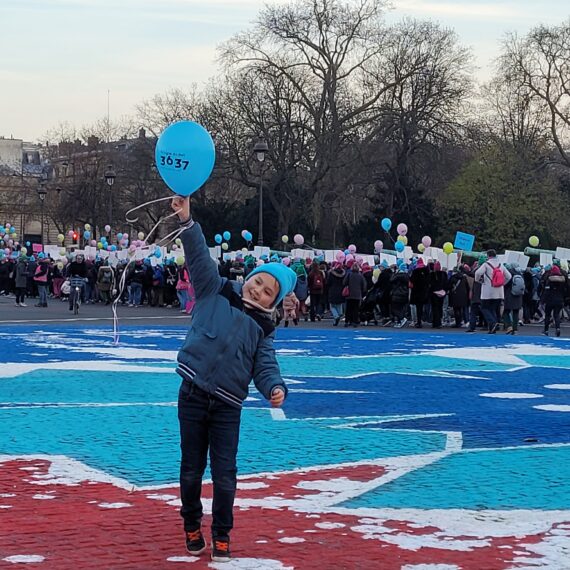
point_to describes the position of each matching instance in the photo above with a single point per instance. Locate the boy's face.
(262, 289)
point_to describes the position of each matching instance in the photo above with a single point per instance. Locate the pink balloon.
(70, 233)
(426, 240)
(8, 226)
(352, 248)
(340, 256)
(132, 248)
(287, 261)
(109, 248)
(402, 229)
(299, 239)
(107, 228)
(349, 258)
(359, 259)
(93, 243)
(378, 245)
(64, 260)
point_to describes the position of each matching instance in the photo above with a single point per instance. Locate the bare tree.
(540, 62)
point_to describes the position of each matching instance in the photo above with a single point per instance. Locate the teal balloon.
(227, 236)
(218, 238)
(248, 236)
(185, 156)
(400, 246)
(386, 224)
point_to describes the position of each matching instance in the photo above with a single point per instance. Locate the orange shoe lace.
(194, 535)
(222, 545)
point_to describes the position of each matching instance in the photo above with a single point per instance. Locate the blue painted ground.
(124, 422)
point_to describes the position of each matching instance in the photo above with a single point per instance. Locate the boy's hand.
(277, 397)
(181, 205)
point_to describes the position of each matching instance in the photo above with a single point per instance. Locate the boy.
(229, 343)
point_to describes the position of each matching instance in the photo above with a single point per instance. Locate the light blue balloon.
(347, 252)
(86, 234)
(248, 236)
(185, 156)
(119, 237)
(218, 238)
(157, 253)
(41, 255)
(113, 248)
(227, 236)
(400, 246)
(386, 224)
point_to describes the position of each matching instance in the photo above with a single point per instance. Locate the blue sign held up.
(464, 241)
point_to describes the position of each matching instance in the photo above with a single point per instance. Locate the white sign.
(259, 250)
(563, 253)
(545, 259)
(389, 259)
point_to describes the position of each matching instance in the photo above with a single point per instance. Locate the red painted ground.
(73, 531)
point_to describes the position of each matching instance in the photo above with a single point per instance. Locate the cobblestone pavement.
(394, 451)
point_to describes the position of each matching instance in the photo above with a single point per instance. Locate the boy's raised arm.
(203, 270)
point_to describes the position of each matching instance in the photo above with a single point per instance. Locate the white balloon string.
(163, 242)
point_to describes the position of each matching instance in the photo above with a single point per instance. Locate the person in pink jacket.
(290, 308)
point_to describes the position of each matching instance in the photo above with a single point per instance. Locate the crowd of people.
(483, 294)
(158, 285)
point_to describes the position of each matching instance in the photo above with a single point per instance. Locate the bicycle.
(76, 284)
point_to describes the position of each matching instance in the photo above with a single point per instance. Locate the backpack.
(518, 286)
(106, 277)
(497, 277)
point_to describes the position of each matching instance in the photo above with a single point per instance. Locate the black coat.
(437, 281)
(335, 285)
(458, 291)
(554, 289)
(420, 286)
(400, 292)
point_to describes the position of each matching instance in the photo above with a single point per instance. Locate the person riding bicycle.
(77, 273)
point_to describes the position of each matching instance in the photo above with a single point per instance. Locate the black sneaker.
(221, 550)
(195, 542)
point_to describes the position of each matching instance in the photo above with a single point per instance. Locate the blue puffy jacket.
(226, 346)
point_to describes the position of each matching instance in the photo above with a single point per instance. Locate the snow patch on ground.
(24, 559)
(511, 395)
(553, 408)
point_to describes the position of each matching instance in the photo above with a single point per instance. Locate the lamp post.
(42, 193)
(260, 149)
(110, 179)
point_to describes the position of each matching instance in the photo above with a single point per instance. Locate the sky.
(59, 59)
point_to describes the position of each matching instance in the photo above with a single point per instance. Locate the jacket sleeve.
(266, 372)
(480, 273)
(202, 268)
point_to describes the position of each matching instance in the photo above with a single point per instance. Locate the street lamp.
(42, 193)
(110, 179)
(260, 150)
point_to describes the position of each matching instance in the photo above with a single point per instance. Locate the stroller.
(368, 309)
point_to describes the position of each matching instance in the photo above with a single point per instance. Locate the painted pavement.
(393, 451)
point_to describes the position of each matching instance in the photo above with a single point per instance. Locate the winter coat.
(400, 290)
(290, 306)
(302, 288)
(21, 273)
(512, 302)
(77, 268)
(227, 345)
(105, 278)
(356, 285)
(137, 274)
(384, 286)
(316, 281)
(437, 282)
(335, 282)
(484, 275)
(459, 291)
(419, 281)
(554, 290)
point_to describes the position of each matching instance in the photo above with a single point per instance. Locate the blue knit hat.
(286, 278)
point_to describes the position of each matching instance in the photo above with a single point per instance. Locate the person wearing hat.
(230, 341)
(553, 295)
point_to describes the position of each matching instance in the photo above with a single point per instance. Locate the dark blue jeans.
(207, 422)
(490, 309)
